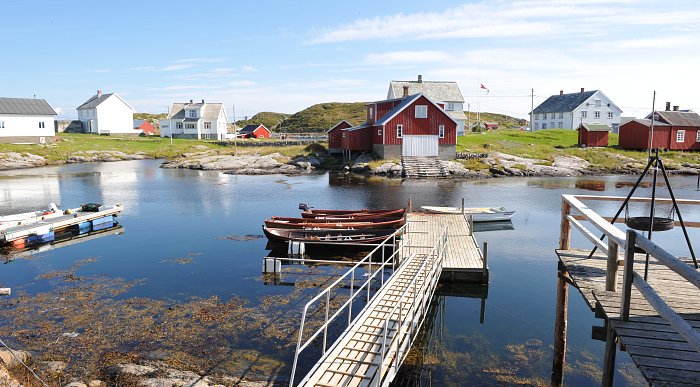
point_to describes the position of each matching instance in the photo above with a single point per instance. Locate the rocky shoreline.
(494, 165)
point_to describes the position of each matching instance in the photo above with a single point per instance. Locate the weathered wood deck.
(464, 261)
(662, 355)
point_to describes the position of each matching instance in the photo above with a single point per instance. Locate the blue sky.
(284, 56)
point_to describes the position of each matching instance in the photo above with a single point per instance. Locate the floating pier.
(655, 317)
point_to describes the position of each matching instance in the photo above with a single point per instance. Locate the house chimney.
(668, 106)
(582, 89)
(675, 108)
(561, 92)
(420, 78)
(191, 101)
(202, 100)
(99, 93)
(405, 91)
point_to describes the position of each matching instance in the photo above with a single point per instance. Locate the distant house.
(446, 94)
(413, 125)
(335, 136)
(593, 135)
(254, 131)
(679, 130)
(26, 120)
(107, 114)
(569, 111)
(491, 125)
(146, 128)
(202, 121)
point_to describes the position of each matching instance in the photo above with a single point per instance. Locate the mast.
(651, 130)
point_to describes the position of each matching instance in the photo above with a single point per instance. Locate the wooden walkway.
(464, 261)
(662, 355)
(356, 358)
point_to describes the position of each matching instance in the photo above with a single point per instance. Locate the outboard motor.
(304, 206)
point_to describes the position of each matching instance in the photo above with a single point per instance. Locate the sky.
(284, 56)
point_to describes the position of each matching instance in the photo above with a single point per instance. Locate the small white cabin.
(107, 114)
(26, 120)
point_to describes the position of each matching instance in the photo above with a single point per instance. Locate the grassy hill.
(270, 119)
(505, 121)
(320, 117)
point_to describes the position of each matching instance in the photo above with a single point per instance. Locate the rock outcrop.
(14, 160)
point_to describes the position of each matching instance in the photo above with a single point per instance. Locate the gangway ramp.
(372, 348)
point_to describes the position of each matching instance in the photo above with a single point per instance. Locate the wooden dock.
(654, 317)
(464, 260)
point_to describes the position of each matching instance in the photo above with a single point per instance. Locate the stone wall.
(68, 126)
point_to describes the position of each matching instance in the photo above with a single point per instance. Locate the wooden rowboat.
(313, 224)
(283, 235)
(479, 214)
(352, 214)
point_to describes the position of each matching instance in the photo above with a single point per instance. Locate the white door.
(420, 146)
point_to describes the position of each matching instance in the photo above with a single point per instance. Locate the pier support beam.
(559, 358)
(609, 358)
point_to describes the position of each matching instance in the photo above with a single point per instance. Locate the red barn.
(335, 136)
(410, 126)
(674, 130)
(593, 135)
(254, 131)
(147, 129)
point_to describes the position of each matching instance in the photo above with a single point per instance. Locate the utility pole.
(170, 128)
(651, 134)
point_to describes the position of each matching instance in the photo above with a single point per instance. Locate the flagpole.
(478, 98)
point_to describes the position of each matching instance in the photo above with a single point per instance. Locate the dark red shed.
(335, 136)
(254, 131)
(590, 135)
(674, 130)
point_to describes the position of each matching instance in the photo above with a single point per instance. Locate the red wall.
(261, 132)
(335, 135)
(690, 142)
(592, 138)
(359, 139)
(419, 126)
(634, 135)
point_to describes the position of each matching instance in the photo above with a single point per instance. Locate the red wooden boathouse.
(335, 136)
(674, 130)
(593, 135)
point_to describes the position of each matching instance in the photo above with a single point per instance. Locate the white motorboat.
(25, 218)
(479, 214)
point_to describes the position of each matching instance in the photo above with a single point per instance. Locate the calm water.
(183, 241)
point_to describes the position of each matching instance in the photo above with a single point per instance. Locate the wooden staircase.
(423, 167)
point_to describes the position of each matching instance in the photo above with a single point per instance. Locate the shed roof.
(677, 118)
(435, 90)
(647, 122)
(597, 127)
(93, 101)
(26, 106)
(250, 128)
(563, 102)
(406, 102)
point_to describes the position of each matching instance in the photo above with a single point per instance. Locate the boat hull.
(351, 214)
(486, 214)
(327, 236)
(352, 224)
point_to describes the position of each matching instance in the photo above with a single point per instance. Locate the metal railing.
(354, 291)
(631, 277)
(429, 273)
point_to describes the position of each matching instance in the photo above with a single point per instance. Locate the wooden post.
(5, 291)
(611, 274)
(485, 256)
(565, 229)
(409, 207)
(471, 224)
(560, 329)
(609, 358)
(627, 276)
(462, 206)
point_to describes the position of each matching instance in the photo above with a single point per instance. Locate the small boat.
(352, 214)
(24, 218)
(341, 236)
(479, 214)
(314, 224)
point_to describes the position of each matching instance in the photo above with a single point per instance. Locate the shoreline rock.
(255, 164)
(15, 160)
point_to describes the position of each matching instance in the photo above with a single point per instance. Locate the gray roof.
(26, 106)
(563, 103)
(211, 110)
(456, 115)
(94, 101)
(679, 118)
(251, 128)
(391, 113)
(646, 122)
(597, 127)
(435, 90)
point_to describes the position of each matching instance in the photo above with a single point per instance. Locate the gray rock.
(360, 168)
(365, 158)
(53, 367)
(8, 359)
(75, 384)
(14, 160)
(388, 169)
(6, 380)
(129, 368)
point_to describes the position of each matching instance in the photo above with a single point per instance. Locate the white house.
(569, 111)
(107, 114)
(26, 120)
(444, 93)
(202, 121)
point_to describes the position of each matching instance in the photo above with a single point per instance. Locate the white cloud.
(177, 67)
(248, 69)
(397, 57)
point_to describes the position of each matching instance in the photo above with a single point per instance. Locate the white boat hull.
(481, 214)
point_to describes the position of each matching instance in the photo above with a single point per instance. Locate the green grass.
(320, 117)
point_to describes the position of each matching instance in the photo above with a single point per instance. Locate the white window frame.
(584, 114)
(441, 131)
(544, 116)
(2, 124)
(596, 114)
(449, 106)
(207, 136)
(561, 124)
(697, 136)
(399, 131)
(421, 111)
(178, 125)
(561, 115)
(190, 126)
(680, 136)
(42, 124)
(610, 114)
(207, 125)
(598, 102)
(191, 113)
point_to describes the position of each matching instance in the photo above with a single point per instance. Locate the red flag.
(484, 87)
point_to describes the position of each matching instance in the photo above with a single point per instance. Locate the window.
(449, 106)
(379, 132)
(561, 115)
(597, 114)
(2, 124)
(165, 125)
(544, 125)
(561, 124)
(610, 114)
(597, 102)
(421, 111)
(584, 114)
(207, 136)
(207, 125)
(537, 117)
(551, 125)
(697, 136)
(441, 131)
(371, 113)
(179, 125)
(192, 113)
(190, 126)
(399, 131)
(544, 116)
(680, 136)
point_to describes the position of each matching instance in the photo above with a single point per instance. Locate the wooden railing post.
(611, 274)
(560, 329)
(565, 230)
(627, 276)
